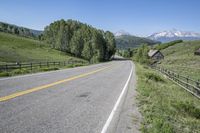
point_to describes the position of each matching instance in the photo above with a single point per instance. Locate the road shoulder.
(130, 117)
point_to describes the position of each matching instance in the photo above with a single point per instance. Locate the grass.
(165, 107)
(181, 59)
(19, 49)
(37, 69)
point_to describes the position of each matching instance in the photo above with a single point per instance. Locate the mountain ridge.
(171, 35)
(131, 41)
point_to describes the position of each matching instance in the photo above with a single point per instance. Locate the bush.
(19, 71)
(4, 74)
(50, 69)
(142, 54)
(153, 76)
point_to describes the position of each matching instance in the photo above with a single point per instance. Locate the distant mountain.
(18, 30)
(121, 32)
(171, 35)
(130, 41)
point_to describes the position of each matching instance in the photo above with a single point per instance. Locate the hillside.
(18, 30)
(129, 41)
(19, 49)
(180, 58)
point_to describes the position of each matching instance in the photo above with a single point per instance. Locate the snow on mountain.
(121, 32)
(174, 34)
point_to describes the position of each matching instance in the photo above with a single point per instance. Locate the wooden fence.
(185, 82)
(33, 65)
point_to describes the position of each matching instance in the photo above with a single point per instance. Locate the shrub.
(153, 76)
(50, 69)
(4, 74)
(19, 71)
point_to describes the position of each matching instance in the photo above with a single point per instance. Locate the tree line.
(80, 40)
(21, 31)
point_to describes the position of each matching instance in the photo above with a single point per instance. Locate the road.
(77, 100)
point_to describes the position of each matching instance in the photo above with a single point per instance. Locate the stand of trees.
(80, 40)
(21, 31)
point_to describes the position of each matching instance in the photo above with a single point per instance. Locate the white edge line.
(106, 125)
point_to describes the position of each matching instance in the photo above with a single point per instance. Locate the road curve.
(77, 100)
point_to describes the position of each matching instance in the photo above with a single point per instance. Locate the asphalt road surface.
(77, 100)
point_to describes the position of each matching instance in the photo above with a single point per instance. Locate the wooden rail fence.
(185, 82)
(33, 65)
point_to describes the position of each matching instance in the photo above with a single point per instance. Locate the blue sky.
(139, 17)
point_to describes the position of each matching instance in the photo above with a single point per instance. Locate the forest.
(20, 31)
(80, 40)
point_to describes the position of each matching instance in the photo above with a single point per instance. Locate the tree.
(81, 40)
(142, 54)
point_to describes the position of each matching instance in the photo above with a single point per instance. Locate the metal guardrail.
(185, 82)
(33, 65)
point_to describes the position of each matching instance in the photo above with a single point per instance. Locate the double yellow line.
(21, 93)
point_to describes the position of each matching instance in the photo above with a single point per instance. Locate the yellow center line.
(21, 93)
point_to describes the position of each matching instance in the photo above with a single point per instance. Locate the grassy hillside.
(128, 41)
(19, 49)
(180, 58)
(165, 107)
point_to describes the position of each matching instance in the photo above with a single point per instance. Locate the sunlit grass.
(166, 107)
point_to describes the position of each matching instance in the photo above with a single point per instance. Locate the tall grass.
(166, 108)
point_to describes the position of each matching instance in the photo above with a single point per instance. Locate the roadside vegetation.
(15, 49)
(38, 69)
(165, 107)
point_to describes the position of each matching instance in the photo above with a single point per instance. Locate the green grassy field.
(19, 49)
(181, 59)
(165, 107)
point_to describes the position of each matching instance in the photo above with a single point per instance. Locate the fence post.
(31, 66)
(178, 78)
(40, 65)
(197, 84)
(20, 66)
(47, 64)
(187, 81)
(6, 67)
(64, 63)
